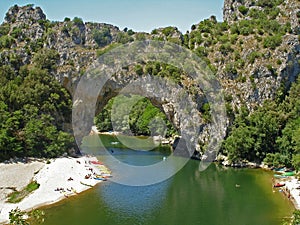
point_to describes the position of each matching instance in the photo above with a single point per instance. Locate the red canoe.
(97, 162)
(279, 185)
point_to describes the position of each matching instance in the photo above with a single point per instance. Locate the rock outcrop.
(249, 72)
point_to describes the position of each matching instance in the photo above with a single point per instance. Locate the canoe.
(106, 175)
(292, 173)
(279, 185)
(100, 178)
(96, 162)
(279, 176)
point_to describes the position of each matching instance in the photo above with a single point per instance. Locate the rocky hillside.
(254, 52)
(251, 59)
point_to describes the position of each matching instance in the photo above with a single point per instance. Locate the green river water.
(190, 197)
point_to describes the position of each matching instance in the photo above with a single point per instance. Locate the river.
(216, 196)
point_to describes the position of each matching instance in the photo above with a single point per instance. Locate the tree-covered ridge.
(34, 108)
(271, 133)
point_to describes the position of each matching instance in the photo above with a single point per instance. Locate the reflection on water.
(130, 202)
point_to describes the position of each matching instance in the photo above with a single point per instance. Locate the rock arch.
(104, 81)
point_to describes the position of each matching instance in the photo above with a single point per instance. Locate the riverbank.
(292, 190)
(291, 186)
(58, 179)
(157, 139)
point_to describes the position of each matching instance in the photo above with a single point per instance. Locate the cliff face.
(255, 52)
(233, 10)
(72, 40)
(253, 70)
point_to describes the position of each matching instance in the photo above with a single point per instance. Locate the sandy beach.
(293, 187)
(59, 179)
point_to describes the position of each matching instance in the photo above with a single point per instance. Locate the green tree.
(77, 21)
(102, 37)
(46, 59)
(16, 217)
(296, 217)
(243, 9)
(272, 41)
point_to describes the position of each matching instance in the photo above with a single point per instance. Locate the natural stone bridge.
(105, 80)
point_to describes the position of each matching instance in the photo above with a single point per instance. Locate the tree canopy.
(270, 134)
(33, 109)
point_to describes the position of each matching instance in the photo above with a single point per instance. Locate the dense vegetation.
(33, 109)
(271, 133)
(143, 119)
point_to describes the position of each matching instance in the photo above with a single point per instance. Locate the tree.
(46, 59)
(296, 217)
(16, 217)
(143, 119)
(33, 110)
(77, 21)
(296, 161)
(272, 41)
(102, 37)
(243, 9)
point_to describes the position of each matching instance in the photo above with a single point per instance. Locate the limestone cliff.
(255, 52)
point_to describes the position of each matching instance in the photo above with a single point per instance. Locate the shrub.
(234, 29)
(130, 32)
(206, 115)
(201, 51)
(252, 56)
(139, 70)
(223, 39)
(279, 62)
(265, 3)
(223, 26)
(155, 31)
(272, 42)
(225, 48)
(233, 38)
(77, 21)
(46, 59)
(241, 79)
(275, 159)
(246, 31)
(4, 29)
(229, 68)
(16, 216)
(274, 12)
(243, 9)
(168, 31)
(123, 38)
(17, 31)
(102, 37)
(140, 36)
(6, 41)
(107, 49)
(257, 14)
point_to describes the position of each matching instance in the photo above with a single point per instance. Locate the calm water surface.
(190, 197)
